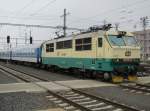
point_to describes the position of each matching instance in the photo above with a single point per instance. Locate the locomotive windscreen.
(116, 41)
(122, 41)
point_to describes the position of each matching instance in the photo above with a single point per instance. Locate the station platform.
(31, 87)
(143, 80)
(20, 87)
(53, 86)
(84, 83)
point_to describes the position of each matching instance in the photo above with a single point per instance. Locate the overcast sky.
(82, 14)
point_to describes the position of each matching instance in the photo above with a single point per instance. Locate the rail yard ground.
(16, 95)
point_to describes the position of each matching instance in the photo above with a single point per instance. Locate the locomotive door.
(99, 48)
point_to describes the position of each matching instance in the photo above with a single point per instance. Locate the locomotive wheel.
(89, 74)
(107, 76)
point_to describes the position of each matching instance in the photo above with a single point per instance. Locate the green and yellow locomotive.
(112, 55)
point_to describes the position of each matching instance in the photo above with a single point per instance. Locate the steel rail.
(134, 88)
(128, 108)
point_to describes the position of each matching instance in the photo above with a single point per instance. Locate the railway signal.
(8, 39)
(30, 40)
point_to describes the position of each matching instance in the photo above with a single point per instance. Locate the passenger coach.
(29, 53)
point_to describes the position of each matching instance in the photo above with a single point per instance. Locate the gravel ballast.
(22, 101)
(42, 73)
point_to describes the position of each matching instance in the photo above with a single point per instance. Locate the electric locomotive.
(99, 52)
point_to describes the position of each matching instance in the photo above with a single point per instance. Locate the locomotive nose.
(125, 53)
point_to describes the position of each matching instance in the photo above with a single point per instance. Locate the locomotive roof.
(83, 35)
(80, 35)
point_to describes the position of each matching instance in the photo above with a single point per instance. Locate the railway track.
(139, 88)
(73, 99)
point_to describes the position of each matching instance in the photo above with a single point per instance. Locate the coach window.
(83, 44)
(100, 42)
(33, 53)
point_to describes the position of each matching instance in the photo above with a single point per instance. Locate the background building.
(143, 38)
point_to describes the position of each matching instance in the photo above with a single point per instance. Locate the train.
(99, 52)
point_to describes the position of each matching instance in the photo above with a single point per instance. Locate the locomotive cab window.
(83, 44)
(100, 42)
(50, 47)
